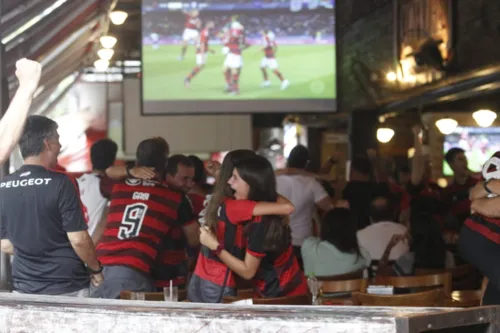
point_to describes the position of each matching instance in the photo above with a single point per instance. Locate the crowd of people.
(158, 223)
(285, 24)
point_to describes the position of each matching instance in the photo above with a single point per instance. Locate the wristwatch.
(486, 188)
(129, 175)
(92, 272)
(218, 250)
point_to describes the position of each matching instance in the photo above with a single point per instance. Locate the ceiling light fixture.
(484, 118)
(446, 125)
(118, 17)
(105, 54)
(108, 42)
(101, 65)
(385, 134)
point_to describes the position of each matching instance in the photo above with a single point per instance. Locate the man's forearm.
(489, 207)
(12, 123)
(117, 172)
(85, 250)
(479, 192)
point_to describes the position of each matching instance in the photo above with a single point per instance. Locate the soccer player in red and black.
(191, 30)
(269, 60)
(456, 195)
(236, 43)
(142, 215)
(202, 51)
(269, 260)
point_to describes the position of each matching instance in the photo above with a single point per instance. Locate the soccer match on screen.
(240, 49)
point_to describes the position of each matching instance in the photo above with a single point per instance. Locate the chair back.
(429, 298)
(464, 277)
(421, 282)
(328, 287)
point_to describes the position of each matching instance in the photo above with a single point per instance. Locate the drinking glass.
(171, 294)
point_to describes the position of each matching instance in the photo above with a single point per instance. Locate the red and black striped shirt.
(279, 273)
(171, 264)
(456, 198)
(232, 214)
(141, 214)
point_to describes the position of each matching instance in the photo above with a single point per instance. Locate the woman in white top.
(336, 251)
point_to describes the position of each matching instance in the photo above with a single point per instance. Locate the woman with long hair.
(269, 259)
(337, 250)
(212, 280)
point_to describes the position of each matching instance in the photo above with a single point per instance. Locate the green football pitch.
(309, 68)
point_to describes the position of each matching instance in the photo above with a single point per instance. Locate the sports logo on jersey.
(133, 182)
(24, 174)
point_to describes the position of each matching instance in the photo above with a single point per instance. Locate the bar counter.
(51, 314)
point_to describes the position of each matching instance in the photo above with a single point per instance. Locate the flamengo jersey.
(192, 22)
(269, 44)
(203, 41)
(92, 199)
(141, 214)
(236, 40)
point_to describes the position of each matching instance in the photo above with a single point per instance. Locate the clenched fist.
(28, 73)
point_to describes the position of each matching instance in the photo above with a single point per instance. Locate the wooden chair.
(153, 296)
(328, 287)
(464, 299)
(245, 293)
(342, 277)
(340, 292)
(421, 282)
(464, 277)
(422, 299)
(484, 284)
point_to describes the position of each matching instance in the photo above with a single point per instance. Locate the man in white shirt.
(96, 187)
(306, 194)
(375, 237)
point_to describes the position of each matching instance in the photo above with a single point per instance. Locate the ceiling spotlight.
(101, 65)
(484, 118)
(385, 134)
(105, 54)
(446, 125)
(391, 76)
(108, 42)
(118, 17)
(411, 152)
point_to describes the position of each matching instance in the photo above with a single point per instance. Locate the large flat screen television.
(247, 56)
(479, 145)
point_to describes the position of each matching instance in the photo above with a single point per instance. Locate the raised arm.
(12, 124)
(489, 207)
(479, 190)
(418, 160)
(118, 172)
(281, 207)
